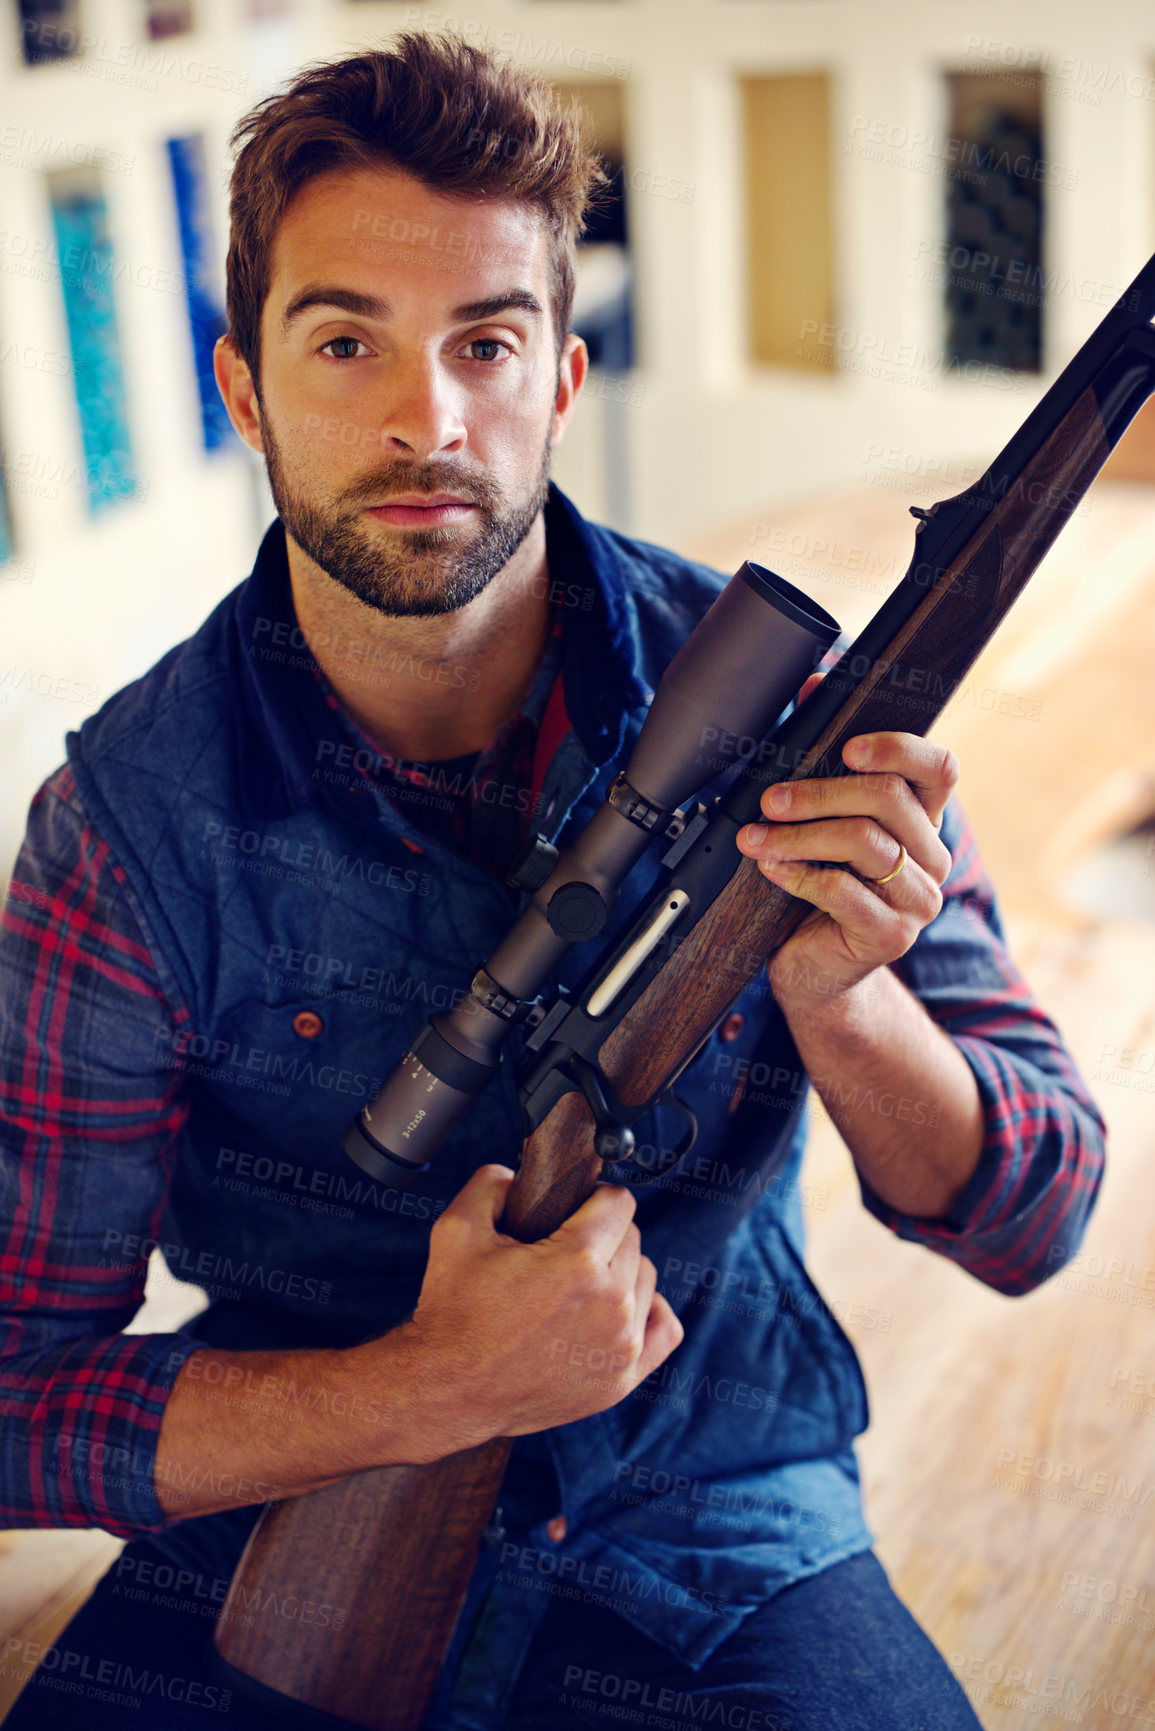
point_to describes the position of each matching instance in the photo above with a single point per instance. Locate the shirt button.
(308, 1024)
(732, 1027)
(557, 1529)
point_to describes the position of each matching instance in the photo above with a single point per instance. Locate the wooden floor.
(1010, 1464)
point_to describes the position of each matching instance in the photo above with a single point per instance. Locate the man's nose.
(423, 410)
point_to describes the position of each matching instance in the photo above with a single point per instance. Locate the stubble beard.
(426, 572)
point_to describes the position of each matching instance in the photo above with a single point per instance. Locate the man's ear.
(571, 371)
(238, 389)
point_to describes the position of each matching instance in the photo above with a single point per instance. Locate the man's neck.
(427, 689)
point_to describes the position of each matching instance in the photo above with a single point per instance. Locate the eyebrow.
(374, 307)
(519, 299)
(332, 295)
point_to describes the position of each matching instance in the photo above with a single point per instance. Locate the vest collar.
(288, 734)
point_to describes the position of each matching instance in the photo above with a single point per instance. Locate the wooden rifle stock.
(410, 1535)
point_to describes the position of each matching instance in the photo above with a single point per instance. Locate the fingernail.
(778, 797)
(858, 752)
(755, 834)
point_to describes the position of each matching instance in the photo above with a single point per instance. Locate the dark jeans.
(837, 1652)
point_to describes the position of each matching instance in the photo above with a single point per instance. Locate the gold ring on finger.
(901, 866)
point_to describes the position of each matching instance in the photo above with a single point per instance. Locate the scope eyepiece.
(374, 1158)
(395, 1137)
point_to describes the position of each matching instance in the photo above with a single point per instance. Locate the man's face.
(409, 379)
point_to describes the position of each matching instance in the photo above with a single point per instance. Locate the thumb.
(478, 1205)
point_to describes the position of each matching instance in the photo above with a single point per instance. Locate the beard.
(429, 571)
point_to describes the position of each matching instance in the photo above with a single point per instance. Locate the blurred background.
(850, 244)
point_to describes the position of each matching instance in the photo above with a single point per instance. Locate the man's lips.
(422, 510)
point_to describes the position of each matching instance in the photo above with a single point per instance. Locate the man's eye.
(491, 347)
(348, 355)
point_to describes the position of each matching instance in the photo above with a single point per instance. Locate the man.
(270, 858)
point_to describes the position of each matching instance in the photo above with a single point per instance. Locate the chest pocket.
(297, 1072)
(290, 1078)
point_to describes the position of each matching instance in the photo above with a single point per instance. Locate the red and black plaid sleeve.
(1023, 1213)
(89, 1116)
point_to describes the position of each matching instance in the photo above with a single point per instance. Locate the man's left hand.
(862, 821)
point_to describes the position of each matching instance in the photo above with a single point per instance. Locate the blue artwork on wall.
(84, 249)
(206, 319)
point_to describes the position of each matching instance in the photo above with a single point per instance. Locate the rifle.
(410, 1536)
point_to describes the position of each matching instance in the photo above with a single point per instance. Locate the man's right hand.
(509, 1337)
(506, 1338)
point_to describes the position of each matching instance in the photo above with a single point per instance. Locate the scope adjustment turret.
(576, 911)
(533, 865)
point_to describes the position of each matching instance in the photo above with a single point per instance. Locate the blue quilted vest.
(280, 891)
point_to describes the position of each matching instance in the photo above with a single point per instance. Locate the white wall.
(710, 440)
(91, 603)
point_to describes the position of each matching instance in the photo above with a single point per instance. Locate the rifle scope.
(718, 698)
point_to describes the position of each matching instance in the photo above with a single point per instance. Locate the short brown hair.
(438, 108)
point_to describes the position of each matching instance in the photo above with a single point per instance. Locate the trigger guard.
(669, 1098)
